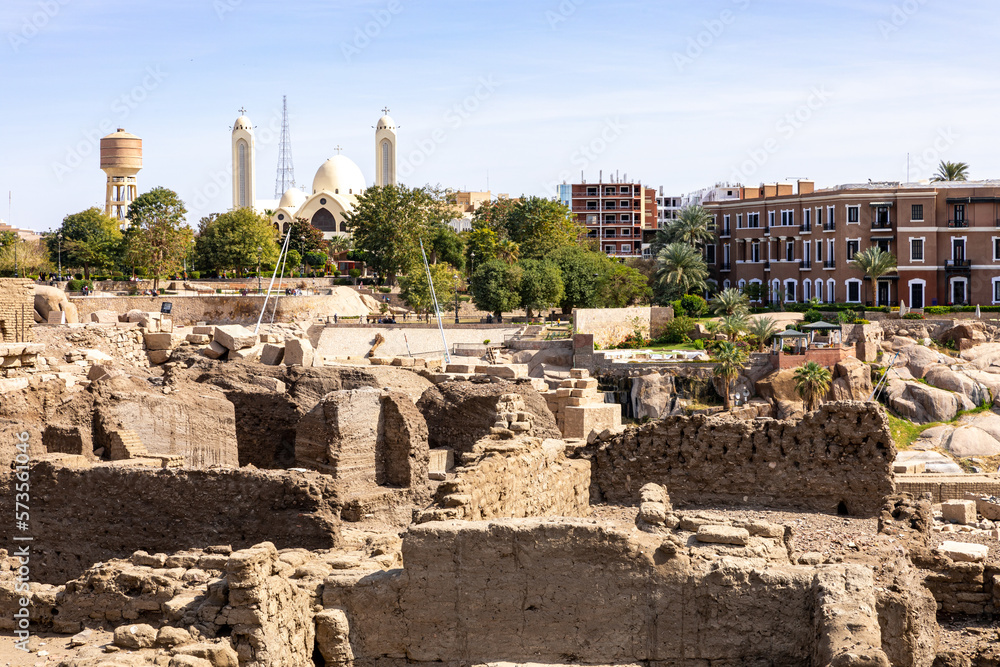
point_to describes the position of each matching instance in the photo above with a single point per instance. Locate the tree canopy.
(231, 240)
(538, 226)
(951, 171)
(157, 239)
(541, 285)
(415, 291)
(90, 240)
(496, 287)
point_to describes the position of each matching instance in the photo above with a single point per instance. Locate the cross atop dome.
(243, 111)
(338, 149)
(385, 110)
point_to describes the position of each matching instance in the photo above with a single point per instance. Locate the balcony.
(767, 265)
(829, 227)
(610, 206)
(830, 264)
(958, 224)
(881, 224)
(805, 228)
(767, 230)
(725, 266)
(726, 231)
(805, 265)
(958, 265)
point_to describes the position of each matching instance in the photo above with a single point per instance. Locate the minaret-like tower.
(121, 160)
(286, 172)
(244, 159)
(385, 150)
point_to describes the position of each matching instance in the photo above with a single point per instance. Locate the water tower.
(121, 160)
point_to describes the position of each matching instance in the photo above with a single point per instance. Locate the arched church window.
(324, 221)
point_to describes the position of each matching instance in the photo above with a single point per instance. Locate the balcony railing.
(829, 226)
(725, 266)
(805, 228)
(767, 229)
(957, 224)
(881, 224)
(958, 264)
(767, 265)
(726, 231)
(805, 265)
(830, 264)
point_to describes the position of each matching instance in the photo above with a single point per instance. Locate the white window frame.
(819, 215)
(923, 248)
(819, 251)
(755, 245)
(909, 290)
(775, 289)
(831, 290)
(741, 284)
(787, 217)
(715, 254)
(795, 286)
(770, 219)
(921, 218)
(806, 290)
(725, 253)
(951, 288)
(726, 284)
(857, 211)
(759, 282)
(830, 251)
(819, 293)
(806, 250)
(831, 215)
(847, 287)
(739, 221)
(626, 248)
(806, 217)
(996, 282)
(965, 242)
(847, 248)
(609, 249)
(993, 242)
(789, 244)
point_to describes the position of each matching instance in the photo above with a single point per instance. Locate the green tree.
(316, 259)
(537, 225)
(812, 382)
(581, 271)
(447, 246)
(692, 226)
(157, 238)
(305, 237)
(951, 171)
(874, 263)
(730, 302)
(729, 363)
(680, 269)
(293, 260)
(496, 287)
(31, 257)
(622, 286)
(482, 245)
(541, 285)
(754, 291)
(231, 240)
(416, 294)
(90, 239)
(8, 238)
(733, 325)
(762, 329)
(388, 223)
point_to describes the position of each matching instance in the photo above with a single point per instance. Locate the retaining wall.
(342, 340)
(834, 459)
(610, 326)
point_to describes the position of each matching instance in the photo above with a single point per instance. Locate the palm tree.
(508, 251)
(730, 302)
(875, 263)
(691, 227)
(952, 171)
(733, 325)
(812, 381)
(729, 362)
(680, 269)
(661, 240)
(762, 328)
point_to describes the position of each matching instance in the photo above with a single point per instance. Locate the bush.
(384, 290)
(117, 275)
(913, 316)
(344, 281)
(194, 274)
(676, 331)
(861, 321)
(699, 344)
(78, 284)
(98, 278)
(693, 305)
(78, 276)
(354, 273)
(937, 310)
(812, 315)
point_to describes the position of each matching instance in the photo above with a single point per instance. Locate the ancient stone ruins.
(207, 495)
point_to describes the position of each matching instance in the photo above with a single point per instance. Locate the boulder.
(944, 377)
(234, 337)
(158, 356)
(135, 636)
(970, 441)
(271, 355)
(959, 511)
(779, 386)
(918, 359)
(723, 535)
(922, 403)
(104, 316)
(936, 437)
(332, 637)
(964, 552)
(247, 353)
(298, 352)
(214, 350)
(652, 395)
(969, 330)
(899, 342)
(852, 381)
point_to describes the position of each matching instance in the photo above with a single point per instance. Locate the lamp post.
(472, 263)
(59, 240)
(260, 252)
(458, 282)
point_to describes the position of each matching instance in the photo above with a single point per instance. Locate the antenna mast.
(286, 172)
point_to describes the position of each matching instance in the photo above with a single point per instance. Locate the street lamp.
(260, 251)
(458, 282)
(59, 239)
(472, 263)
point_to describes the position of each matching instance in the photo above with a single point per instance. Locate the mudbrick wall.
(522, 478)
(17, 310)
(82, 516)
(568, 590)
(837, 459)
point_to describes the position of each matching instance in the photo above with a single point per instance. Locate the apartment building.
(667, 208)
(797, 242)
(614, 213)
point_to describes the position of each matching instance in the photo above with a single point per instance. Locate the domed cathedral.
(335, 188)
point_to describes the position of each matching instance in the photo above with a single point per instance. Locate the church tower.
(244, 171)
(385, 150)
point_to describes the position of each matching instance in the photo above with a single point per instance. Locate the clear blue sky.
(679, 94)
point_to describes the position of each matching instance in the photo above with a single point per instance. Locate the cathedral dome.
(292, 199)
(243, 123)
(386, 123)
(339, 175)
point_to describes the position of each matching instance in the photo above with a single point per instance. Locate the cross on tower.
(242, 111)
(338, 149)
(385, 110)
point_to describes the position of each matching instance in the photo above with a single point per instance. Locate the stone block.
(234, 337)
(564, 392)
(959, 511)
(158, 341)
(158, 356)
(198, 339)
(214, 351)
(298, 352)
(579, 373)
(723, 535)
(578, 393)
(272, 354)
(460, 368)
(56, 317)
(203, 330)
(508, 371)
(580, 420)
(104, 316)
(441, 461)
(402, 362)
(246, 353)
(988, 509)
(588, 383)
(576, 401)
(166, 325)
(909, 467)
(964, 552)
